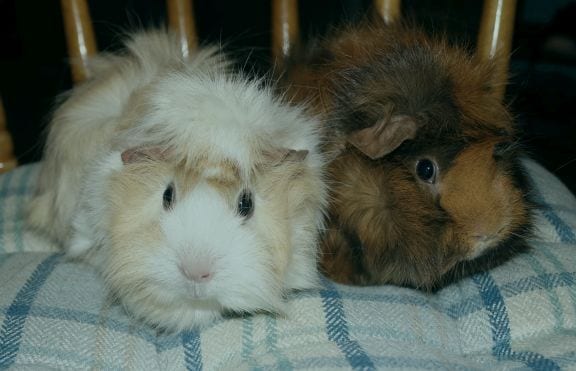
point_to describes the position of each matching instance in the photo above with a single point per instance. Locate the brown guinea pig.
(427, 183)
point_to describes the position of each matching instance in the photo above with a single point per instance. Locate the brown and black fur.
(386, 226)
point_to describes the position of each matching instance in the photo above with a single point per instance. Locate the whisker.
(566, 164)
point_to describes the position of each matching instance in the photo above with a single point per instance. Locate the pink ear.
(384, 137)
(140, 154)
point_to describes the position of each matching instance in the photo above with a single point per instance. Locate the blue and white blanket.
(55, 314)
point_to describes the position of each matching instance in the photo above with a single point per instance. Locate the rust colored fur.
(361, 73)
(385, 224)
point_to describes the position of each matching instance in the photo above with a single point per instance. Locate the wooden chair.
(7, 159)
(494, 37)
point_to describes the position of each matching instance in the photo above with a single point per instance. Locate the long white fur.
(200, 111)
(83, 128)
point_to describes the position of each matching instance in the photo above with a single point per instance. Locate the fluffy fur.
(391, 96)
(144, 174)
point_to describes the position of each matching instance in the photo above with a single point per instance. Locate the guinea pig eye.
(169, 196)
(245, 204)
(426, 170)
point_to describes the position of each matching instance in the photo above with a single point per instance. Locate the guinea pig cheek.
(211, 254)
(478, 197)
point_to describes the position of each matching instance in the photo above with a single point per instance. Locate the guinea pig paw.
(78, 245)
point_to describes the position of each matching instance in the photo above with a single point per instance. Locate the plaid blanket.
(55, 314)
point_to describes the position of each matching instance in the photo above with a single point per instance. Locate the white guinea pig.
(193, 190)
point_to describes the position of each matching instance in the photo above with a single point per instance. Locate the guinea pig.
(426, 181)
(196, 192)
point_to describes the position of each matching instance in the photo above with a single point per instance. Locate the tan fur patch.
(480, 197)
(223, 176)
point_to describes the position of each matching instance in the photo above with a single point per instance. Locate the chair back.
(494, 40)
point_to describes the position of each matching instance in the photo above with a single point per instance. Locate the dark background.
(33, 68)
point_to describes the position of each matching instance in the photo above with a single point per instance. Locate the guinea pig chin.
(482, 243)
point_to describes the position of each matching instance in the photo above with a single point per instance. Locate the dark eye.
(426, 170)
(169, 196)
(245, 204)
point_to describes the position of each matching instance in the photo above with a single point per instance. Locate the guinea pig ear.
(384, 137)
(282, 155)
(140, 154)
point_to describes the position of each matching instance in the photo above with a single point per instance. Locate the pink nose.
(195, 273)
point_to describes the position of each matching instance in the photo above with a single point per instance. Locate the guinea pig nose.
(485, 234)
(481, 237)
(195, 273)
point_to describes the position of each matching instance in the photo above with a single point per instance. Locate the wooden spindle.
(181, 20)
(79, 37)
(7, 159)
(495, 38)
(285, 29)
(389, 10)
